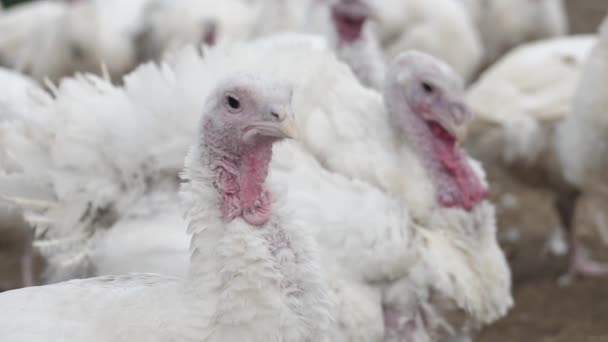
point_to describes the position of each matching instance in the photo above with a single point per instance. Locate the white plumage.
(246, 282)
(441, 28)
(531, 86)
(504, 24)
(54, 39)
(33, 30)
(521, 103)
(169, 25)
(345, 128)
(580, 138)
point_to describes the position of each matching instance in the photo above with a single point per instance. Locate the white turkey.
(354, 41)
(30, 31)
(441, 28)
(168, 25)
(505, 24)
(409, 151)
(86, 185)
(340, 25)
(519, 104)
(344, 30)
(53, 39)
(254, 273)
(581, 145)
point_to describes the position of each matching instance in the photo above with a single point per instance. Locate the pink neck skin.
(240, 181)
(456, 184)
(348, 27)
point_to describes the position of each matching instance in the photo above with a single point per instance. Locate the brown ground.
(544, 311)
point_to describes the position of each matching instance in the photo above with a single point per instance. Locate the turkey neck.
(454, 181)
(240, 174)
(259, 280)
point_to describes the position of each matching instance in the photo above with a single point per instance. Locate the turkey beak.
(458, 115)
(278, 124)
(287, 125)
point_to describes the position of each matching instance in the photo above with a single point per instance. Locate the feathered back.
(170, 24)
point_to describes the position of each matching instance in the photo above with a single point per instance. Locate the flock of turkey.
(329, 190)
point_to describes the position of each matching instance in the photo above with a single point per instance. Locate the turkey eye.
(233, 103)
(429, 89)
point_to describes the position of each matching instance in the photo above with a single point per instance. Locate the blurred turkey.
(31, 37)
(442, 28)
(53, 39)
(581, 145)
(341, 25)
(519, 104)
(103, 148)
(505, 24)
(254, 273)
(169, 25)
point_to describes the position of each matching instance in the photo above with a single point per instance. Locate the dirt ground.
(544, 311)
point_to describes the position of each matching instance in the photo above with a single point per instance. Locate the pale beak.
(279, 125)
(288, 128)
(458, 114)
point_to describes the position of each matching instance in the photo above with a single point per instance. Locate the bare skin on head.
(426, 101)
(349, 17)
(239, 140)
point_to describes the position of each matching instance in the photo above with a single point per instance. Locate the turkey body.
(251, 278)
(521, 103)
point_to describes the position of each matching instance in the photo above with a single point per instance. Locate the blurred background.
(545, 310)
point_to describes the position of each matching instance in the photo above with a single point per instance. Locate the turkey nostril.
(275, 115)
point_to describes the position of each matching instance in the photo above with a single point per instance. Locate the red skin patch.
(349, 27)
(242, 191)
(454, 162)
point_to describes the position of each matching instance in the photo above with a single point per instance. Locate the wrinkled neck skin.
(456, 184)
(240, 174)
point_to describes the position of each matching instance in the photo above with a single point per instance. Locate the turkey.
(581, 147)
(355, 43)
(168, 25)
(505, 24)
(31, 30)
(54, 39)
(441, 28)
(254, 273)
(85, 186)
(102, 32)
(275, 16)
(519, 104)
(339, 25)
